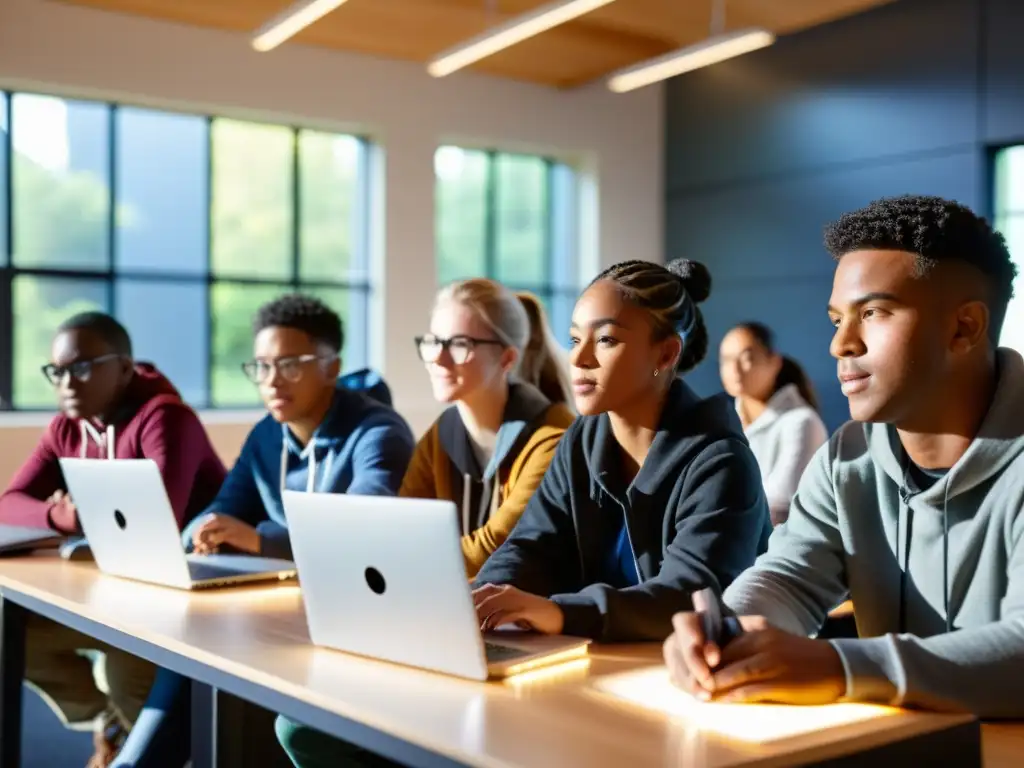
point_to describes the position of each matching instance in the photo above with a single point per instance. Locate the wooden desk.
(252, 642)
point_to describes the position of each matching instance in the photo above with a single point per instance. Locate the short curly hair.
(935, 230)
(303, 313)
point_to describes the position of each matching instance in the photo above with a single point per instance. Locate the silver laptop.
(128, 520)
(384, 577)
(16, 539)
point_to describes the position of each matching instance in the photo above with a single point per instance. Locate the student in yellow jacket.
(490, 354)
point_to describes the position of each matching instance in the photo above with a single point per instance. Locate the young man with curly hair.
(914, 508)
(322, 433)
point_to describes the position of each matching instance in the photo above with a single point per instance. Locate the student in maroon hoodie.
(111, 407)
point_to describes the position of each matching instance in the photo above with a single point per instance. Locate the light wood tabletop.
(582, 714)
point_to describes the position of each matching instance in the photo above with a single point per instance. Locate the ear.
(127, 369)
(669, 352)
(971, 329)
(775, 361)
(509, 358)
(333, 369)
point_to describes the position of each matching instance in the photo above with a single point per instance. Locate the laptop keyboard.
(499, 653)
(205, 571)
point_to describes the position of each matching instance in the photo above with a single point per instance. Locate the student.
(653, 492)
(914, 509)
(777, 407)
(111, 407)
(321, 434)
(490, 354)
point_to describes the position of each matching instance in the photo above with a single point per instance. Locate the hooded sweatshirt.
(784, 438)
(151, 422)
(620, 559)
(916, 564)
(361, 447)
(491, 498)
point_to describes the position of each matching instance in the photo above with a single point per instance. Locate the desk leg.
(218, 728)
(12, 675)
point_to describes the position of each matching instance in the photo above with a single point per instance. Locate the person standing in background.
(778, 409)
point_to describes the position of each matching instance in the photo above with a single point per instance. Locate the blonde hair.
(519, 321)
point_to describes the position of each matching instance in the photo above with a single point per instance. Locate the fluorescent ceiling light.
(291, 22)
(513, 31)
(711, 51)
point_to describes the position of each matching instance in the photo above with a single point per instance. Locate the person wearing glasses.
(490, 354)
(111, 407)
(322, 434)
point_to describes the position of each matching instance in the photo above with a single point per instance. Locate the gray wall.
(763, 150)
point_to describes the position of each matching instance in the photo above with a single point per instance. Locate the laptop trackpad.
(240, 563)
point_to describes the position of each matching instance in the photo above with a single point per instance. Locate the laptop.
(16, 539)
(384, 577)
(128, 520)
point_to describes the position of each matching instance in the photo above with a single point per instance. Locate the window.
(1009, 219)
(181, 226)
(512, 218)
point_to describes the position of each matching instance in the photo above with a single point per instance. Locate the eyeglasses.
(79, 371)
(460, 348)
(291, 368)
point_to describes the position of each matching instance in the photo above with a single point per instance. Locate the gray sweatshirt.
(856, 530)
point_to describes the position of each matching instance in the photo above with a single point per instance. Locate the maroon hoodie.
(152, 422)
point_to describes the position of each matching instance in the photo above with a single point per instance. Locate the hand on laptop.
(762, 664)
(63, 499)
(217, 531)
(497, 606)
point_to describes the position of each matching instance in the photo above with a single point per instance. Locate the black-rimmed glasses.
(80, 370)
(291, 368)
(460, 348)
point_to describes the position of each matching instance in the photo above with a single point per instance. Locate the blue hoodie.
(361, 447)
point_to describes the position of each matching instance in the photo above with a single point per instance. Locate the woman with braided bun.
(653, 492)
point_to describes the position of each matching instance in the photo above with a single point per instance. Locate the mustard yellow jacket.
(490, 499)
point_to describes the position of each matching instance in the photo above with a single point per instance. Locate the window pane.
(252, 200)
(461, 217)
(3, 178)
(161, 209)
(560, 307)
(521, 220)
(564, 228)
(40, 305)
(233, 307)
(1013, 327)
(352, 305)
(149, 310)
(61, 170)
(330, 209)
(1010, 180)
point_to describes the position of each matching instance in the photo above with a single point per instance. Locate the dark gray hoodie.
(856, 529)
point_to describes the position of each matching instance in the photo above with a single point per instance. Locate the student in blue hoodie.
(915, 509)
(322, 434)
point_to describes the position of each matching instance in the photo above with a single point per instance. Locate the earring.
(656, 372)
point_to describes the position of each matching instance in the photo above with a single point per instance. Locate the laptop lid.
(384, 577)
(126, 516)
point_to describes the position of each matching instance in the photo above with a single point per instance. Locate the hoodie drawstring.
(467, 495)
(310, 450)
(905, 496)
(89, 431)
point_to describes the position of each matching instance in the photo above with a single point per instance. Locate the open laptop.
(128, 520)
(17, 539)
(384, 577)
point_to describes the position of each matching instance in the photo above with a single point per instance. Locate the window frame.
(559, 211)
(9, 272)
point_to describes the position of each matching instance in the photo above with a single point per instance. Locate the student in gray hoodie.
(914, 509)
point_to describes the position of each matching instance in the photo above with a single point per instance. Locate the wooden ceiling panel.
(617, 35)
